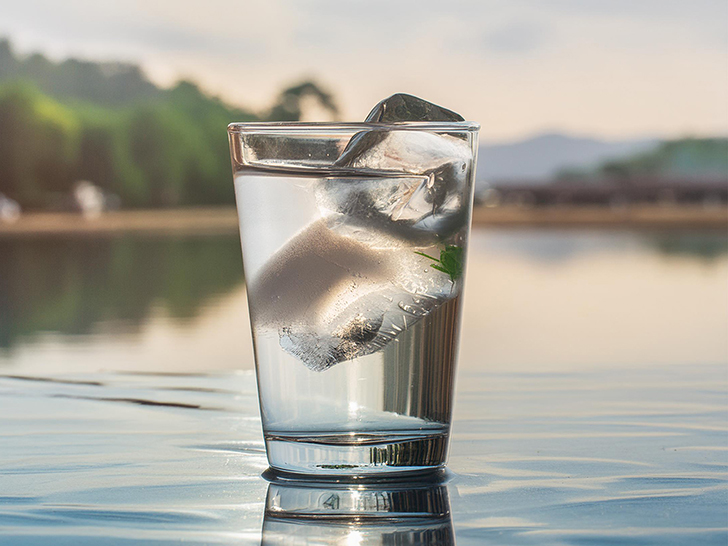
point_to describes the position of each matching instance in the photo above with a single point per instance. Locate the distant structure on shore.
(540, 158)
(707, 193)
(686, 171)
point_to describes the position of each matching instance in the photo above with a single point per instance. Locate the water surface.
(571, 458)
(591, 405)
(534, 300)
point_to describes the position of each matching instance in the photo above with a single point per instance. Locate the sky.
(609, 68)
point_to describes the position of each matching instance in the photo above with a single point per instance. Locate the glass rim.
(307, 126)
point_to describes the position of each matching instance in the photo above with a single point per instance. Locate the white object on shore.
(89, 198)
(9, 210)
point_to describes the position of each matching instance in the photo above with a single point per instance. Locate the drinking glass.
(354, 239)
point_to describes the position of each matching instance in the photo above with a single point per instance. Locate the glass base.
(357, 454)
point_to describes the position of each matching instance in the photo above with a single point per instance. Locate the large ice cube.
(333, 298)
(426, 193)
(403, 107)
(403, 150)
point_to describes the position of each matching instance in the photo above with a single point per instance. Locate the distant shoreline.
(630, 217)
(223, 220)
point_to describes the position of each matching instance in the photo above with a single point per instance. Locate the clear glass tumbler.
(354, 240)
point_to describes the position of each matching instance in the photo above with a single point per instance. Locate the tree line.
(106, 123)
(692, 159)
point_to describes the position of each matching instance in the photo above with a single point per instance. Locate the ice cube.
(372, 209)
(402, 150)
(426, 193)
(403, 107)
(333, 298)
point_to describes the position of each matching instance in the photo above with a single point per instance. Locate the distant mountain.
(540, 158)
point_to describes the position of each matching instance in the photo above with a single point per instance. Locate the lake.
(535, 300)
(590, 407)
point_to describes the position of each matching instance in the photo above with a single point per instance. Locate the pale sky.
(611, 68)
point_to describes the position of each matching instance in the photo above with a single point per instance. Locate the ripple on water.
(562, 459)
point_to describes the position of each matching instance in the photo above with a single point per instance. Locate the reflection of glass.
(354, 240)
(399, 514)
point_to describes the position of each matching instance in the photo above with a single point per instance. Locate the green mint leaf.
(427, 256)
(450, 262)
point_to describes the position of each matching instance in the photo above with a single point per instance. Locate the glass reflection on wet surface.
(405, 513)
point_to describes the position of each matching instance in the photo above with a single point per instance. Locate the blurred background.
(600, 235)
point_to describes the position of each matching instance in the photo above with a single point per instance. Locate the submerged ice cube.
(333, 298)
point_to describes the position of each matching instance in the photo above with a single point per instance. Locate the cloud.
(602, 66)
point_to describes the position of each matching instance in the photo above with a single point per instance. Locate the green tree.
(159, 147)
(62, 122)
(38, 145)
(95, 160)
(683, 158)
(289, 104)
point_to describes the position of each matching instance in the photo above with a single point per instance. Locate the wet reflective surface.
(601, 457)
(591, 402)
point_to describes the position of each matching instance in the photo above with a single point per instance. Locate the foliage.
(152, 147)
(38, 145)
(289, 105)
(687, 158)
(450, 261)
